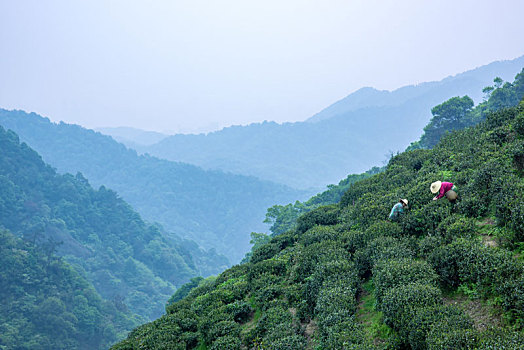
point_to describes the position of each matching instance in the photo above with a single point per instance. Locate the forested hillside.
(337, 141)
(97, 232)
(46, 304)
(444, 276)
(215, 209)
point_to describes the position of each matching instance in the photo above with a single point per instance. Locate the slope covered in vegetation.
(46, 304)
(212, 208)
(307, 288)
(97, 232)
(454, 114)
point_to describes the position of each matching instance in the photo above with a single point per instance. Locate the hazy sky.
(171, 65)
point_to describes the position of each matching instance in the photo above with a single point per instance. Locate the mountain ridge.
(352, 141)
(209, 207)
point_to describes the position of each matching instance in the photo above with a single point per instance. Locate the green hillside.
(445, 276)
(96, 231)
(215, 209)
(46, 304)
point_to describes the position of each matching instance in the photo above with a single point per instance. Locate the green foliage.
(512, 299)
(455, 113)
(327, 215)
(46, 304)
(126, 259)
(184, 290)
(306, 259)
(338, 279)
(458, 113)
(400, 304)
(465, 261)
(392, 273)
(426, 318)
(455, 226)
(284, 217)
(228, 342)
(257, 240)
(443, 337)
(381, 248)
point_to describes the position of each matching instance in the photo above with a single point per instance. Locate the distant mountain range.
(215, 209)
(431, 93)
(132, 137)
(350, 136)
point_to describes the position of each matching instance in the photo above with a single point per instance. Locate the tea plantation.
(345, 277)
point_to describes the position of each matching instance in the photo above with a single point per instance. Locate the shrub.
(226, 343)
(236, 271)
(440, 337)
(354, 240)
(518, 124)
(283, 336)
(357, 190)
(499, 118)
(455, 226)
(326, 275)
(392, 273)
(290, 342)
(400, 304)
(185, 319)
(190, 339)
(264, 252)
(204, 287)
(370, 207)
(383, 228)
(318, 234)
(207, 324)
(466, 261)
(273, 267)
(412, 160)
(240, 310)
(425, 219)
(340, 331)
(427, 245)
(327, 215)
(265, 280)
(221, 329)
(509, 206)
(270, 318)
(512, 295)
(501, 339)
(416, 331)
(268, 293)
(382, 248)
(307, 259)
(337, 295)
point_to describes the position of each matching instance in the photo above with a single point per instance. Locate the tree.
(453, 114)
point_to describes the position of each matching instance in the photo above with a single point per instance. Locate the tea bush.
(327, 215)
(425, 318)
(393, 273)
(400, 304)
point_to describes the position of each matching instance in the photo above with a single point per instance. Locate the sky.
(187, 66)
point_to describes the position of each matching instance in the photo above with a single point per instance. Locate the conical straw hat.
(435, 186)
